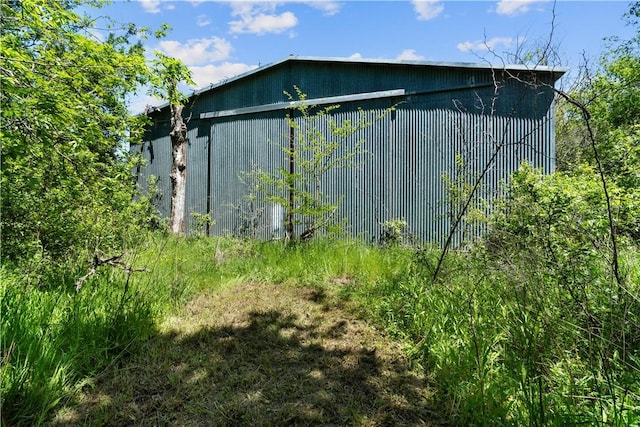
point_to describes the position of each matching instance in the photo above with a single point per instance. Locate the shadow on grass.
(264, 367)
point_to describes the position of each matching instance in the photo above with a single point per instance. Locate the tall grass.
(55, 339)
(506, 340)
(211, 262)
(53, 336)
(503, 351)
(531, 326)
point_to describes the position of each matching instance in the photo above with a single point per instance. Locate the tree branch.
(113, 261)
(613, 234)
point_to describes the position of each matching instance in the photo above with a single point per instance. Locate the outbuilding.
(437, 127)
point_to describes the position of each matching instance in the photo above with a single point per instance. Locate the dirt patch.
(260, 354)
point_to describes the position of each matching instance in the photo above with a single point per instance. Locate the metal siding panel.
(238, 145)
(157, 155)
(360, 191)
(264, 89)
(197, 168)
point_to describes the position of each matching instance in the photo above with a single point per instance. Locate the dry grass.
(260, 354)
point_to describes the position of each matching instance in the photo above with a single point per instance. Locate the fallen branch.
(114, 262)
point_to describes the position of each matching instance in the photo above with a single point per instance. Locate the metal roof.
(559, 71)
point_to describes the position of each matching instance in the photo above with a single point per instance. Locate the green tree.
(564, 245)
(611, 100)
(312, 152)
(64, 126)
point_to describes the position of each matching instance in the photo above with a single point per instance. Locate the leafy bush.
(65, 177)
(550, 245)
(530, 327)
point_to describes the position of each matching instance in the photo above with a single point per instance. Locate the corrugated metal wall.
(197, 175)
(240, 145)
(423, 147)
(410, 151)
(435, 132)
(156, 152)
(363, 190)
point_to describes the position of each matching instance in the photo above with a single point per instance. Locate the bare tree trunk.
(178, 174)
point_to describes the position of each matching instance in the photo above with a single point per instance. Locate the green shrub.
(529, 327)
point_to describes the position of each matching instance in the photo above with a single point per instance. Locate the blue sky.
(220, 39)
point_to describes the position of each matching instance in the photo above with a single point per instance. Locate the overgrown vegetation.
(55, 337)
(58, 339)
(505, 332)
(65, 175)
(530, 327)
(260, 354)
(69, 206)
(538, 323)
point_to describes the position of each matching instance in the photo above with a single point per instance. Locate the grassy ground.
(230, 332)
(260, 354)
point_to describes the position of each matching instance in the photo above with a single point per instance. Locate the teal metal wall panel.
(423, 156)
(197, 175)
(156, 152)
(240, 146)
(362, 191)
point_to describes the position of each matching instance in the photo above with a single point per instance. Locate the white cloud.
(208, 74)
(356, 55)
(150, 6)
(138, 103)
(410, 55)
(263, 23)
(427, 9)
(156, 6)
(491, 44)
(514, 7)
(203, 20)
(260, 18)
(197, 51)
(327, 6)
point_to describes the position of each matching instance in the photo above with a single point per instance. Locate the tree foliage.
(65, 177)
(611, 97)
(565, 245)
(541, 327)
(167, 74)
(313, 152)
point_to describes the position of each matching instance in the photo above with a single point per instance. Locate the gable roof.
(556, 72)
(434, 64)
